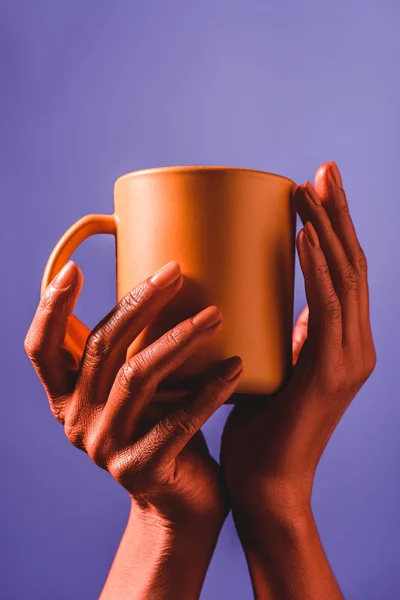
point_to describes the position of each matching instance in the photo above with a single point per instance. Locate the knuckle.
(97, 448)
(126, 467)
(362, 263)
(74, 434)
(32, 348)
(180, 422)
(143, 364)
(57, 409)
(372, 360)
(178, 336)
(333, 308)
(134, 298)
(74, 427)
(349, 374)
(133, 375)
(98, 346)
(321, 272)
(48, 299)
(369, 364)
(343, 210)
(119, 472)
(28, 346)
(349, 278)
(165, 427)
(126, 375)
(147, 361)
(358, 376)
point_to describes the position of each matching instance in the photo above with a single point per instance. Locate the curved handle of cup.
(77, 332)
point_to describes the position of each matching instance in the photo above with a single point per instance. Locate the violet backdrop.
(91, 89)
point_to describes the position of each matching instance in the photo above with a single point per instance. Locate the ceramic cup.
(233, 232)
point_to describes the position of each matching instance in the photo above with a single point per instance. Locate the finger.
(329, 186)
(325, 314)
(139, 377)
(171, 434)
(300, 332)
(344, 278)
(44, 342)
(108, 343)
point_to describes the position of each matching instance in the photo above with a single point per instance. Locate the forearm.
(158, 561)
(285, 557)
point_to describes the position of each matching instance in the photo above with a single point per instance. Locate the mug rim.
(194, 168)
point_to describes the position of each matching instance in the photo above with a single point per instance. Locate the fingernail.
(232, 368)
(312, 194)
(167, 275)
(209, 317)
(311, 234)
(335, 174)
(65, 277)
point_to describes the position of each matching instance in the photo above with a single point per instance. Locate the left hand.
(271, 448)
(111, 407)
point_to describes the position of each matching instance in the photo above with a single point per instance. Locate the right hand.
(271, 448)
(108, 406)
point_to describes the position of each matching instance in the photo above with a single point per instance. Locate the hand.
(271, 449)
(109, 407)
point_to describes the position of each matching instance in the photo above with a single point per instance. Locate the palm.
(252, 428)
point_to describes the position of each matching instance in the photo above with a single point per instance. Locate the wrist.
(161, 559)
(285, 556)
(277, 501)
(175, 532)
(284, 520)
(170, 558)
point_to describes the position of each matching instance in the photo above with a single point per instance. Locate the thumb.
(300, 332)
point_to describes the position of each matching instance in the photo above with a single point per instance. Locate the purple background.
(93, 89)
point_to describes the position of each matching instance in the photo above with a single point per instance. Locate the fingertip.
(321, 180)
(66, 285)
(232, 368)
(311, 233)
(300, 238)
(167, 275)
(299, 191)
(66, 276)
(322, 169)
(335, 175)
(300, 200)
(178, 283)
(78, 284)
(303, 250)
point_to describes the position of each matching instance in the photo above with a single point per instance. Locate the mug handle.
(77, 332)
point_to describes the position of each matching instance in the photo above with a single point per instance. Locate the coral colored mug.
(233, 233)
